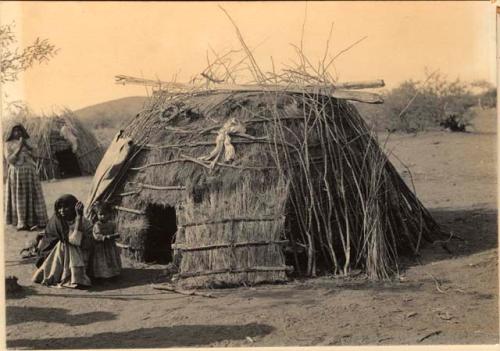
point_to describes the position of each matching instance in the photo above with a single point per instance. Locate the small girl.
(106, 262)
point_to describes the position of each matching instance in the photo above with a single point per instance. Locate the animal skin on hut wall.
(69, 134)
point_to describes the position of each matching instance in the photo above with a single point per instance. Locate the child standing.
(106, 262)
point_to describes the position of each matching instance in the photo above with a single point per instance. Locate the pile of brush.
(342, 202)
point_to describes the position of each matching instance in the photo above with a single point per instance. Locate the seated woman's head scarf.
(68, 203)
(57, 228)
(19, 126)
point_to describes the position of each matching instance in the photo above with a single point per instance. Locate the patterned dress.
(24, 201)
(106, 262)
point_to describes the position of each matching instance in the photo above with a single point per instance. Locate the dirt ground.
(441, 298)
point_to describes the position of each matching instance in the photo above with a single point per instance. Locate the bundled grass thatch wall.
(45, 135)
(308, 179)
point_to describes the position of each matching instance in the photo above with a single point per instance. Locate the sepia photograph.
(249, 174)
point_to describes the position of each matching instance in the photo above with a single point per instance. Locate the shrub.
(424, 105)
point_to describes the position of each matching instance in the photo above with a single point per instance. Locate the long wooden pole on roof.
(122, 79)
(339, 90)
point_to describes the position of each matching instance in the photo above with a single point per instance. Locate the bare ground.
(440, 298)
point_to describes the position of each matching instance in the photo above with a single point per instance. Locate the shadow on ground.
(329, 286)
(476, 228)
(474, 231)
(174, 336)
(129, 277)
(24, 314)
(21, 293)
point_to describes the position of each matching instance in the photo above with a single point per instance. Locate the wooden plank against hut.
(378, 83)
(226, 245)
(196, 161)
(158, 187)
(130, 210)
(122, 79)
(339, 91)
(212, 143)
(234, 219)
(235, 271)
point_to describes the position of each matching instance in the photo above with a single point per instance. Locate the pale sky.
(161, 40)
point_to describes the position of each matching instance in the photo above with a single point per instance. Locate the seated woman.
(64, 251)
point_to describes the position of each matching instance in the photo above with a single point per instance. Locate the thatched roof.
(55, 133)
(306, 169)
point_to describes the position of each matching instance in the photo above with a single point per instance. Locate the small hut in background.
(65, 147)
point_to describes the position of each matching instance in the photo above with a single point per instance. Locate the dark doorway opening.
(68, 164)
(162, 225)
(295, 253)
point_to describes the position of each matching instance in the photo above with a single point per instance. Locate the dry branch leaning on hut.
(65, 147)
(307, 189)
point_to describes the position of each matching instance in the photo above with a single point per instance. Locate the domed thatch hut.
(250, 186)
(65, 148)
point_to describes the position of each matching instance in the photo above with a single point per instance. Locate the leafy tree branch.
(14, 60)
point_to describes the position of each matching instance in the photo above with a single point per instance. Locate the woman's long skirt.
(65, 266)
(24, 201)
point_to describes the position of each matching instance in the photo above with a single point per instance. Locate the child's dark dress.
(106, 262)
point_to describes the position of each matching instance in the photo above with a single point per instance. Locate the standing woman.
(24, 201)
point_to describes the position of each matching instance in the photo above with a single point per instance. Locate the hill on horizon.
(105, 119)
(112, 113)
